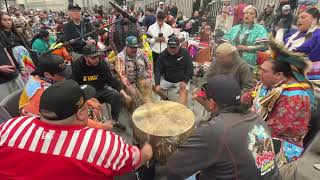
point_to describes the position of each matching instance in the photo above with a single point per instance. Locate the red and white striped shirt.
(33, 149)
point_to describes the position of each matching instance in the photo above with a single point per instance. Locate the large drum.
(165, 125)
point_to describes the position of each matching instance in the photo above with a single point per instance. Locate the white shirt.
(154, 31)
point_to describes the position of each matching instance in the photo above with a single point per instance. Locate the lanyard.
(81, 29)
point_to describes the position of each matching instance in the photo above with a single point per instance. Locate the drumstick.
(148, 162)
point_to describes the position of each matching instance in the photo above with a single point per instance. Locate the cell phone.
(160, 35)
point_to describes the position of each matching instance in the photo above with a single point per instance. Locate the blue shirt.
(149, 20)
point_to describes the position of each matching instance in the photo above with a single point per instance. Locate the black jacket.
(284, 21)
(174, 68)
(9, 41)
(72, 31)
(97, 77)
(229, 146)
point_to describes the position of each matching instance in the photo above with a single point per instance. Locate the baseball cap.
(132, 41)
(74, 6)
(223, 89)
(286, 7)
(90, 50)
(63, 99)
(161, 3)
(53, 64)
(173, 41)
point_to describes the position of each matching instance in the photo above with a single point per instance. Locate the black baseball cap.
(223, 89)
(74, 6)
(53, 64)
(173, 41)
(63, 99)
(90, 50)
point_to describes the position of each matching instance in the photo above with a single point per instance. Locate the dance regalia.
(307, 43)
(287, 106)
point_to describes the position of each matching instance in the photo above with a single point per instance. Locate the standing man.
(174, 10)
(159, 34)
(76, 27)
(233, 143)
(120, 31)
(285, 104)
(150, 19)
(160, 8)
(267, 17)
(174, 69)
(90, 69)
(60, 145)
(285, 99)
(135, 73)
(284, 20)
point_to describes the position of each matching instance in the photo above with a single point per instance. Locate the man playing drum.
(174, 69)
(135, 73)
(50, 70)
(60, 145)
(233, 144)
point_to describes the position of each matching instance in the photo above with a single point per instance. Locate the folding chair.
(9, 107)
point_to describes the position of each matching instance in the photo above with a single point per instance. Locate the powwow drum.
(165, 125)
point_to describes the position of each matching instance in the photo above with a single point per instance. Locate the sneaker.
(120, 126)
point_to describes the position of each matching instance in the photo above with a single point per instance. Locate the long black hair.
(42, 33)
(13, 29)
(314, 12)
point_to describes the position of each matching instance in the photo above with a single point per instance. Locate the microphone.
(124, 13)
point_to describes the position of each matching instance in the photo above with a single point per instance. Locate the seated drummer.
(59, 145)
(50, 70)
(233, 144)
(228, 62)
(90, 69)
(174, 69)
(134, 70)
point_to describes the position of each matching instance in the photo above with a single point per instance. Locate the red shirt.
(33, 149)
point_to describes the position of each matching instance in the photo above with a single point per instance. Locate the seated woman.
(205, 33)
(306, 39)
(248, 36)
(42, 41)
(180, 22)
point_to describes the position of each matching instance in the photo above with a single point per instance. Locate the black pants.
(155, 59)
(113, 98)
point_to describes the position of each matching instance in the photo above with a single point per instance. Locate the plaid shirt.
(132, 69)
